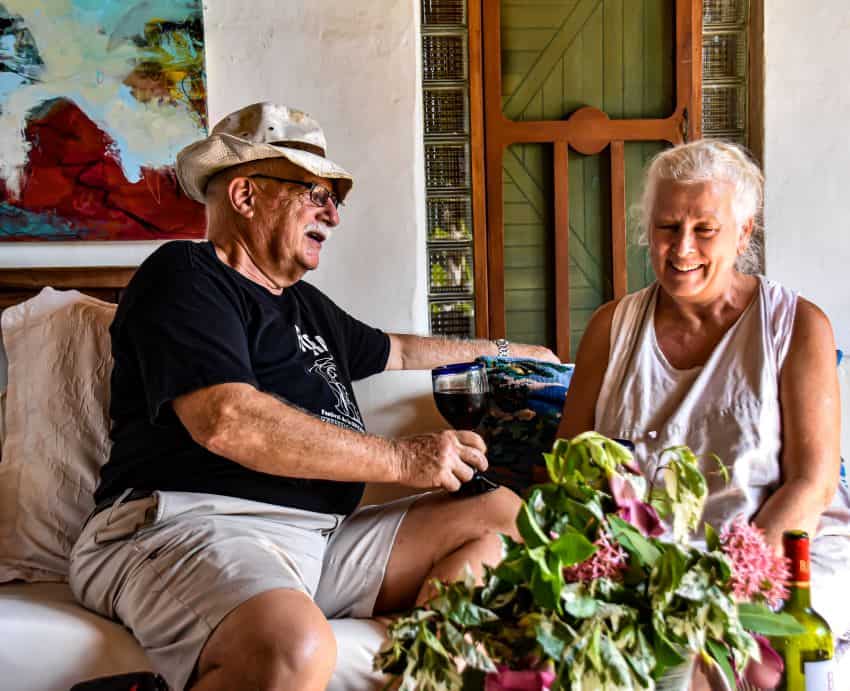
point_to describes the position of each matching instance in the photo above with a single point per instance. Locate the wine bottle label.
(820, 676)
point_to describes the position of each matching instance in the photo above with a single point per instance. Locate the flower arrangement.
(592, 598)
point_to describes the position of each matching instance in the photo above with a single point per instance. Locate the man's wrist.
(503, 347)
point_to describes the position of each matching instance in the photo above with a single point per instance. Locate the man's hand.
(441, 459)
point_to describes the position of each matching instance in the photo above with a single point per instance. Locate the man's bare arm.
(265, 434)
(425, 352)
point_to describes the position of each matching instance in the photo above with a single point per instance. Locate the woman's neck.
(720, 309)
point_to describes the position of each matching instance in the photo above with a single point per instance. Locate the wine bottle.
(809, 664)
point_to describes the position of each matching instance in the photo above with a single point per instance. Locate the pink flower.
(767, 673)
(519, 680)
(757, 572)
(631, 509)
(609, 561)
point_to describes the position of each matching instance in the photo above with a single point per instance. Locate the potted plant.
(594, 599)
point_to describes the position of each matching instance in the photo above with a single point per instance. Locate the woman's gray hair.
(707, 160)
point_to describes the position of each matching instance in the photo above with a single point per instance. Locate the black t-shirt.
(188, 321)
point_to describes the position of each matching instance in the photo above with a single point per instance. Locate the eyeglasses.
(319, 194)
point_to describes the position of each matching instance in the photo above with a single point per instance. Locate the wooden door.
(573, 97)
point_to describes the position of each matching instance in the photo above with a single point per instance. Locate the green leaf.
(632, 541)
(553, 636)
(578, 602)
(666, 656)
(721, 656)
(545, 584)
(712, 540)
(434, 643)
(614, 662)
(668, 572)
(526, 522)
(472, 653)
(572, 547)
(758, 618)
(722, 470)
(467, 613)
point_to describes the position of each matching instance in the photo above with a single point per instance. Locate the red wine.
(462, 410)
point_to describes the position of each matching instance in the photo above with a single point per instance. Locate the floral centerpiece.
(593, 599)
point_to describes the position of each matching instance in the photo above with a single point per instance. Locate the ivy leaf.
(666, 656)
(758, 618)
(474, 655)
(526, 522)
(668, 572)
(632, 541)
(712, 540)
(553, 637)
(614, 662)
(721, 656)
(545, 582)
(572, 547)
(466, 613)
(577, 602)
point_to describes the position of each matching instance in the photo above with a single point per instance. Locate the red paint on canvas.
(73, 174)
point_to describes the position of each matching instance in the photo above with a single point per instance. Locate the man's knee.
(500, 510)
(274, 640)
(306, 655)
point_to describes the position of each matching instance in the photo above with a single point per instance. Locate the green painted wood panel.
(558, 56)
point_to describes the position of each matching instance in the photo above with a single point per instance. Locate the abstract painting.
(96, 99)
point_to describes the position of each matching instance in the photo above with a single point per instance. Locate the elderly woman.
(726, 362)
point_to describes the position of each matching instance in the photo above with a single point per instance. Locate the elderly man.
(225, 532)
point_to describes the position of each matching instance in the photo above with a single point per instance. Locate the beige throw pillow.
(57, 427)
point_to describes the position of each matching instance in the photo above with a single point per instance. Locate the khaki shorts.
(171, 566)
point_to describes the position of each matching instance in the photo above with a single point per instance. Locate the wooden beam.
(689, 66)
(494, 151)
(562, 251)
(575, 129)
(78, 278)
(619, 269)
(479, 180)
(755, 77)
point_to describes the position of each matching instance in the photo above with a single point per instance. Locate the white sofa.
(49, 642)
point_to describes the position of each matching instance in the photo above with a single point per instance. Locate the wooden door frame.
(587, 130)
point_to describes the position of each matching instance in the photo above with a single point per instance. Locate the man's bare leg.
(440, 534)
(276, 641)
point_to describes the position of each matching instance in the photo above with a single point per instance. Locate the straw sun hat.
(257, 132)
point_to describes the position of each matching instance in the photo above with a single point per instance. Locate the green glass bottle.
(809, 664)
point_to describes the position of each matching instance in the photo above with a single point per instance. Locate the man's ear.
(242, 196)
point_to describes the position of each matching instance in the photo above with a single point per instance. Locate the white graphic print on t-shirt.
(324, 365)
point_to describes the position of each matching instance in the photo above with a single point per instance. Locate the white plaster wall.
(807, 152)
(353, 65)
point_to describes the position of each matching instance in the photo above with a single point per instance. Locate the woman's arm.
(591, 363)
(809, 400)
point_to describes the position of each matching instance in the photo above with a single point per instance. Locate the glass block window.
(450, 270)
(446, 165)
(450, 12)
(445, 101)
(444, 57)
(449, 219)
(445, 111)
(455, 318)
(725, 69)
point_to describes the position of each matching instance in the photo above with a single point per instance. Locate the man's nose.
(329, 213)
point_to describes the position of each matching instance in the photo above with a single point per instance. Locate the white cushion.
(50, 643)
(57, 423)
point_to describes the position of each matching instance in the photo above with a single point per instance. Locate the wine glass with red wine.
(462, 397)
